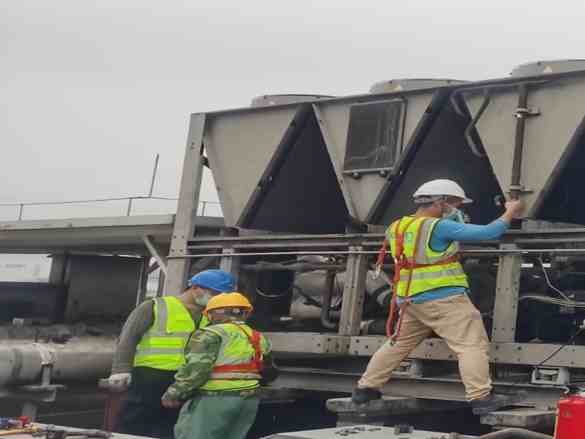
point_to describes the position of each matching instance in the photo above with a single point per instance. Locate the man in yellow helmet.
(431, 292)
(226, 362)
(151, 348)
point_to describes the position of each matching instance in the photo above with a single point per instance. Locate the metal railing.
(203, 205)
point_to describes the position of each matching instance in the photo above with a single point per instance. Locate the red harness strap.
(256, 365)
(400, 262)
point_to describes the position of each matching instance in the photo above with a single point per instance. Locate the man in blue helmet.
(151, 348)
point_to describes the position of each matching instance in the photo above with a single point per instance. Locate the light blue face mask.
(203, 299)
(454, 214)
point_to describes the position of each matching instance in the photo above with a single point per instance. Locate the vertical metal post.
(353, 293)
(129, 210)
(143, 282)
(521, 114)
(229, 263)
(161, 284)
(507, 291)
(184, 228)
(154, 171)
(58, 268)
(20, 209)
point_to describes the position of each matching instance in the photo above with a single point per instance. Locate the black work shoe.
(365, 394)
(495, 401)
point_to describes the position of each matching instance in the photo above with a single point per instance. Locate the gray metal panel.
(335, 119)
(102, 288)
(239, 147)
(361, 432)
(562, 107)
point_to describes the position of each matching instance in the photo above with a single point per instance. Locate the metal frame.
(359, 246)
(359, 249)
(184, 227)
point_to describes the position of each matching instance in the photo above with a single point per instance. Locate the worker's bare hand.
(171, 403)
(515, 208)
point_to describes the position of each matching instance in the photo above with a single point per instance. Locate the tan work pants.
(454, 319)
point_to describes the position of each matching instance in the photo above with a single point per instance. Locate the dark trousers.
(143, 414)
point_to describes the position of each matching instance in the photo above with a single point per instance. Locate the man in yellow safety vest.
(430, 289)
(151, 348)
(226, 363)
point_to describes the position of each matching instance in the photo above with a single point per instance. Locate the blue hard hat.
(217, 280)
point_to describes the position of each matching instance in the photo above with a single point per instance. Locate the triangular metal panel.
(439, 150)
(239, 146)
(561, 107)
(362, 192)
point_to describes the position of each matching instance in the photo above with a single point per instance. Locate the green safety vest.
(239, 361)
(422, 268)
(163, 345)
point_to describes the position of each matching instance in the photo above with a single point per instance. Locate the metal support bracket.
(409, 369)
(523, 112)
(155, 253)
(558, 376)
(354, 292)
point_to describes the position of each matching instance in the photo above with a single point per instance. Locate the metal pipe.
(327, 295)
(129, 210)
(515, 433)
(154, 171)
(515, 187)
(84, 359)
(476, 252)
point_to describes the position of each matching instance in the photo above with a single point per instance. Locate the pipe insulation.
(80, 359)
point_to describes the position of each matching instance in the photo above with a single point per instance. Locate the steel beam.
(184, 227)
(507, 292)
(155, 253)
(353, 293)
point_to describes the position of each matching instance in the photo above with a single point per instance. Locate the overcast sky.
(90, 91)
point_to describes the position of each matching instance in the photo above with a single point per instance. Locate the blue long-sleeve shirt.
(446, 232)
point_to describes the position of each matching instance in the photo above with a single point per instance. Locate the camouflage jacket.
(202, 352)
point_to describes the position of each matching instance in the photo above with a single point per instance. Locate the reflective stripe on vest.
(238, 363)
(427, 269)
(163, 345)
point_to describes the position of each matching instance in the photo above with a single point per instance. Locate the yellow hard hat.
(228, 300)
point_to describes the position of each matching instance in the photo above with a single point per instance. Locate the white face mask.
(202, 299)
(454, 214)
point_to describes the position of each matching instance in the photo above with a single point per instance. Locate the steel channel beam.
(424, 388)
(184, 227)
(522, 354)
(507, 292)
(353, 293)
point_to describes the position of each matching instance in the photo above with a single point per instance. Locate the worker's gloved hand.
(119, 382)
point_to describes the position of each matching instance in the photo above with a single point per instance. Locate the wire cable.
(549, 283)
(564, 345)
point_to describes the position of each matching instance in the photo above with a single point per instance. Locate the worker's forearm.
(135, 327)
(190, 377)
(448, 231)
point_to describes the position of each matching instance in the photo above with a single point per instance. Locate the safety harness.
(255, 365)
(402, 262)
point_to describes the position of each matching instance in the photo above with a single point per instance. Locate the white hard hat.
(441, 187)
